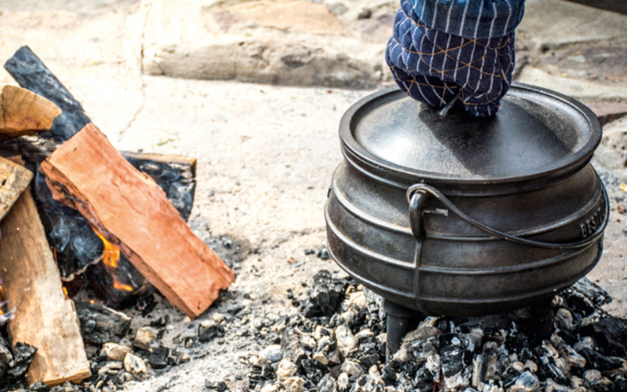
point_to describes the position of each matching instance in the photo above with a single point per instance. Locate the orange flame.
(110, 259)
(65, 292)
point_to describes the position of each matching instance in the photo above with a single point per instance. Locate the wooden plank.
(87, 173)
(14, 179)
(32, 74)
(44, 318)
(23, 112)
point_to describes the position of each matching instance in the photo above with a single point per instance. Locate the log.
(23, 112)
(44, 317)
(14, 179)
(32, 74)
(87, 173)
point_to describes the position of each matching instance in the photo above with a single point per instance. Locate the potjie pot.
(462, 216)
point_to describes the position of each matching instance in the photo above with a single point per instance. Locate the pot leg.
(397, 326)
(540, 324)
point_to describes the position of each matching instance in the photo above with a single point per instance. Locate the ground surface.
(266, 153)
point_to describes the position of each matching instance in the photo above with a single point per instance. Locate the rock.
(346, 341)
(294, 384)
(308, 341)
(565, 319)
(219, 386)
(145, 338)
(134, 364)
(209, 330)
(342, 382)
(327, 384)
(526, 382)
(592, 376)
(351, 369)
(286, 369)
(114, 351)
(366, 13)
(272, 353)
(321, 358)
(39, 387)
(158, 358)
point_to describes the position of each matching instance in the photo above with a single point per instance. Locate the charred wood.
(158, 242)
(32, 74)
(100, 324)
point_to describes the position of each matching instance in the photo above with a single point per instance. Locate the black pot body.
(452, 267)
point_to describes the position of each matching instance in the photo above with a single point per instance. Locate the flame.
(110, 259)
(65, 292)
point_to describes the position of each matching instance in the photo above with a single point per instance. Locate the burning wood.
(44, 318)
(127, 207)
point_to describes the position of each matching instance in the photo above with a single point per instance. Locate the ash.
(337, 343)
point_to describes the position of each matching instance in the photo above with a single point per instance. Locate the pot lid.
(536, 133)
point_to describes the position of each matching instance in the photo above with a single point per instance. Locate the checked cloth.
(434, 67)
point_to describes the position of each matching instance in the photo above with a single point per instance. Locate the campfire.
(109, 226)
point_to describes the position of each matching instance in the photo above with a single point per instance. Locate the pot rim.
(402, 177)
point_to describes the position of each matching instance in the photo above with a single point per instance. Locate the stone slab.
(291, 42)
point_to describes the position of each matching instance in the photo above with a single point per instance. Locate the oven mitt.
(464, 50)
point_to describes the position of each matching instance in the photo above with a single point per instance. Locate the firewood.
(14, 179)
(23, 112)
(44, 317)
(31, 73)
(87, 173)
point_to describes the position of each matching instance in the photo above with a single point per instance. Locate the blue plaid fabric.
(471, 18)
(433, 67)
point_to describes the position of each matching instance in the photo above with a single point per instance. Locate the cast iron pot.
(462, 216)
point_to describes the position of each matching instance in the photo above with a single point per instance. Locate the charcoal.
(6, 357)
(100, 324)
(527, 382)
(39, 387)
(600, 361)
(158, 358)
(291, 347)
(218, 386)
(209, 330)
(610, 334)
(22, 357)
(593, 292)
(326, 295)
(312, 370)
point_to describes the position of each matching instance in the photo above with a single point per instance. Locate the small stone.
(352, 369)
(145, 337)
(326, 384)
(342, 382)
(321, 358)
(308, 341)
(346, 341)
(294, 384)
(366, 13)
(158, 358)
(620, 208)
(531, 366)
(565, 319)
(209, 330)
(218, 317)
(134, 364)
(219, 386)
(272, 353)
(39, 387)
(286, 369)
(114, 351)
(364, 334)
(592, 376)
(518, 366)
(322, 252)
(526, 382)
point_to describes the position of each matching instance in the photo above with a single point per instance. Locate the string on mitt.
(434, 67)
